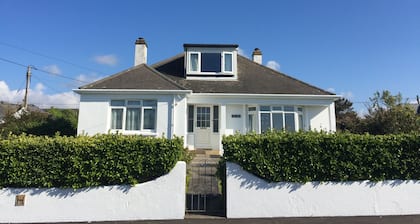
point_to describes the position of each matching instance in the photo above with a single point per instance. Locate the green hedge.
(29, 161)
(310, 156)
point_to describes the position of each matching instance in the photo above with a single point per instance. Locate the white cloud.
(348, 95)
(332, 90)
(88, 78)
(242, 52)
(273, 65)
(108, 59)
(54, 69)
(39, 98)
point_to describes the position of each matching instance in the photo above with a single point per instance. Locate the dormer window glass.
(211, 62)
(227, 62)
(194, 62)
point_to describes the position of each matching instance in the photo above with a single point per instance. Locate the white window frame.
(274, 110)
(124, 117)
(222, 62)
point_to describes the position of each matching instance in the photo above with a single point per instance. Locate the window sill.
(143, 133)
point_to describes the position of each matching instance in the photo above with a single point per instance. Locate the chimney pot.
(140, 54)
(257, 56)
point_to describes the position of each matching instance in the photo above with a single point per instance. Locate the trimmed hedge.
(30, 161)
(311, 156)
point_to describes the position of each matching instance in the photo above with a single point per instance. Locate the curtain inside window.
(132, 121)
(265, 122)
(228, 62)
(194, 62)
(116, 118)
(149, 120)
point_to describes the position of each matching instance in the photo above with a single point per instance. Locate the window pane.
(277, 108)
(278, 121)
(132, 120)
(251, 122)
(194, 62)
(265, 108)
(203, 117)
(289, 108)
(117, 103)
(290, 121)
(228, 62)
(149, 119)
(133, 103)
(300, 122)
(215, 118)
(252, 108)
(211, 62)
(190, 118)
(265, 122)
(116, 118)
(149, 103)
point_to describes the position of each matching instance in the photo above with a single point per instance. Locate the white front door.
(202, 128)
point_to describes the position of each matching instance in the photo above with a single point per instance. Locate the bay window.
(133, 115)
(287, 118)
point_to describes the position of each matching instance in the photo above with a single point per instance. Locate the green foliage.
(30, 161)
(310, 156)
(346, 117)
(387, 114)
(48, 123)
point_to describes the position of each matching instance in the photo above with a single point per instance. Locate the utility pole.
(28, 80)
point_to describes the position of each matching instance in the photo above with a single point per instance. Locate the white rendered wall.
(95, 113)
(162, 198)
(319, 118)
(234, 124)
(248, 196)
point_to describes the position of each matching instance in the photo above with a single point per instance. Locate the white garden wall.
(248, 196)
(162, 198)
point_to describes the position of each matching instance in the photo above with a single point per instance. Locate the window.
(286, 118)
(228, 62)
(203, 117)
(190, 118)
(215, 119)
(210, 62)
(194, 62)
(133, 115)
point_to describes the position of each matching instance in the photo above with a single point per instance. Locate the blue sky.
(352, 47)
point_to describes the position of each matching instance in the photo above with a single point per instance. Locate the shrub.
(31, 161)
(310, 156)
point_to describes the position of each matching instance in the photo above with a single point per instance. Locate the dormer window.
(210, 61)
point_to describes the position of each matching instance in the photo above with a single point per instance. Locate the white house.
(205, 92)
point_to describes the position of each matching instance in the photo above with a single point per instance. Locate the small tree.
(346, 117)
(390, 114)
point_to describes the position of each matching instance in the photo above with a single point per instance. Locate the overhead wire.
(51, 57)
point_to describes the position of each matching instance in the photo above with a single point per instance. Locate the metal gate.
(203, 194)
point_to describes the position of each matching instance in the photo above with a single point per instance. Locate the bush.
(30, 161)
(310, 156)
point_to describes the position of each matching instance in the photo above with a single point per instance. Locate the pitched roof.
(169, 74)
(252, 78)
(138, 77)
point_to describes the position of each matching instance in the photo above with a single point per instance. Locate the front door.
(203, 127)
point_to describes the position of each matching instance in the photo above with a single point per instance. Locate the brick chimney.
(257, 56)
(140, 54)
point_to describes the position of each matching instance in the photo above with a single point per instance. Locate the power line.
(51, 57)
(42, 70)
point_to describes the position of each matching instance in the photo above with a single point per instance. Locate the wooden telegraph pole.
(28, 80)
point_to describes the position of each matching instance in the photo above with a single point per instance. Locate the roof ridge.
(285, 75)
(111, 76)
